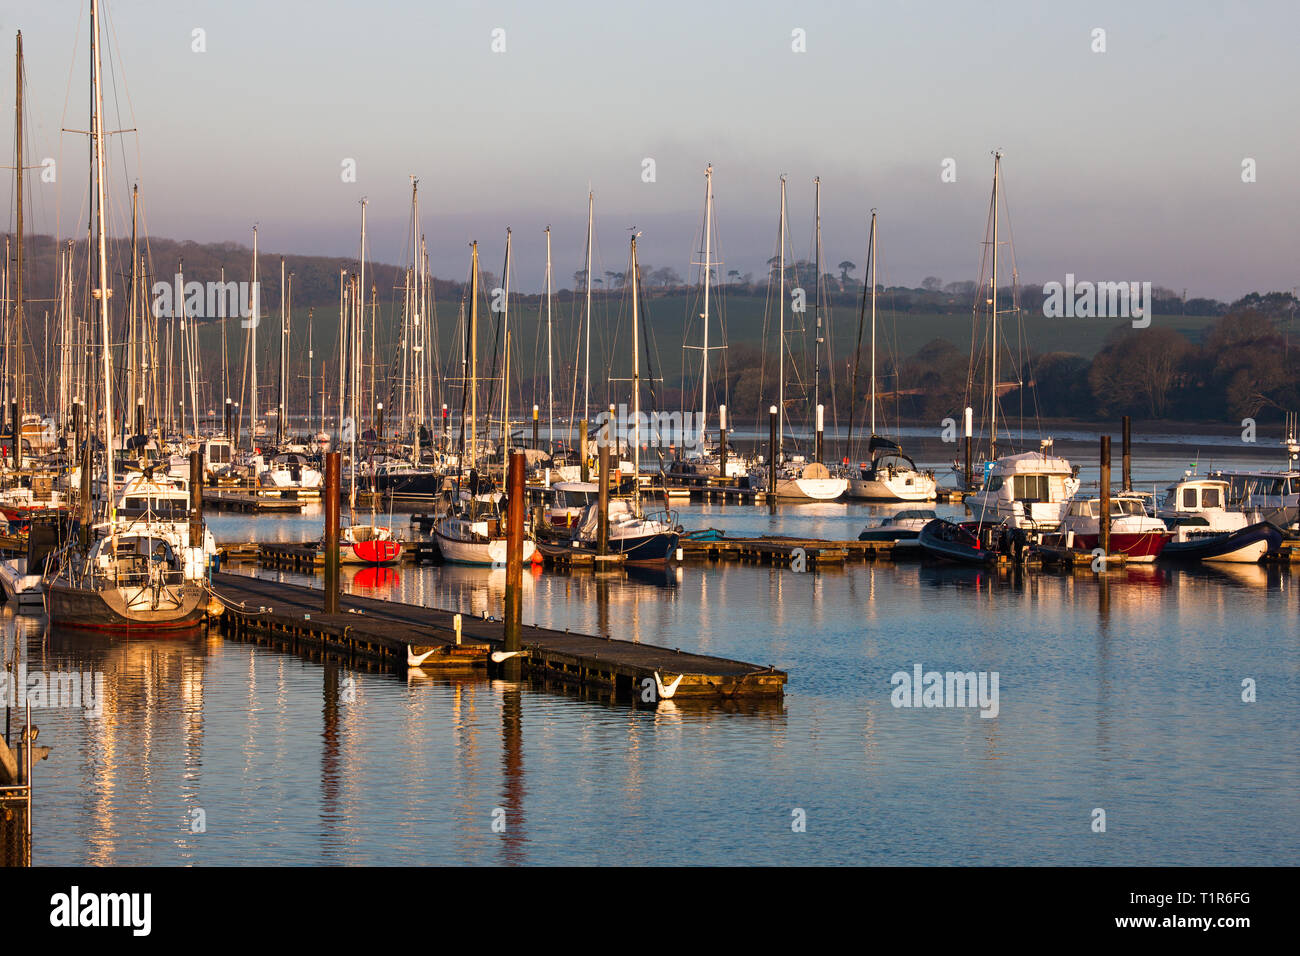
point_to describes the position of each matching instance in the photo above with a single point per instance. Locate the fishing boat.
(1204, 529)
(1133, 532)
(949, 541)
(903, 527)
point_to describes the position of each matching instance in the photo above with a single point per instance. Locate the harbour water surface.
(1121, 692)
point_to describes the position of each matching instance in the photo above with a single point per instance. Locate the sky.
(1120, 165)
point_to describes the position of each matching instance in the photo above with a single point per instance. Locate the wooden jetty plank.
(576, 658)
(292, 615)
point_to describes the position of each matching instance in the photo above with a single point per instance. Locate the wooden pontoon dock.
(382, 632)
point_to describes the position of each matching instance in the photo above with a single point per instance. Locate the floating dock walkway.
(382, 632)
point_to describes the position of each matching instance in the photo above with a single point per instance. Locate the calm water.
(1123, 694)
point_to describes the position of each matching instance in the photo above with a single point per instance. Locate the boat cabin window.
(1210, 498)
(136, 505)
(995, 483)
(1189, 498)
(1030, 488)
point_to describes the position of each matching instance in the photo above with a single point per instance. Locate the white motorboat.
(1027, 491)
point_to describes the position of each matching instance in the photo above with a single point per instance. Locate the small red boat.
(368, 544)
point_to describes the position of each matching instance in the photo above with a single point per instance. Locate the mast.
(252, 350)
(550, 375)
(780, 402)
(473, 357)
(817, 301)
(873, 324)
(18, 288)
(284, 361)
(586, 388)
(708, 268)
(993, 302)
(103, 290)
(636, 383)
(505, 366)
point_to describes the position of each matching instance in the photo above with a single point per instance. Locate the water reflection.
(297, 762)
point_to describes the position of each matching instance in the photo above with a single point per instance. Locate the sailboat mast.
(550, 375)
(636, 381)
(708, 270)
(505, 366)
(97, 127)
(18, 288)
(817, 301)
(252, 350)
(586, 388)
(993, 302)
(873, 323)
(780, 400)
(284, 359)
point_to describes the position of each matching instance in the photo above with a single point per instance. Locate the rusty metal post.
(332, 532)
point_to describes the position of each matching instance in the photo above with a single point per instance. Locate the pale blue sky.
(1119, 165)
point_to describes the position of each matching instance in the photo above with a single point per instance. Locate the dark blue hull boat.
(951, 542)
(1229, 546)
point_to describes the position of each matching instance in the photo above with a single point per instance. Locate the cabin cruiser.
(1028, 491)
(890, 476)
(901, 528)
(1133, 532)
(569, 501)
(218, 455)
(644, 539)
(291, 472)
(1206, 530)
(1272, 496)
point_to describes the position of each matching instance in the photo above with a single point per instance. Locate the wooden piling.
(332, 532)
(1103, 537)
(722, 442)
(602, 498)
(772, 455)
(196, 496)
(584, 472)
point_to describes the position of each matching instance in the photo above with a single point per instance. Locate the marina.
(616, 466)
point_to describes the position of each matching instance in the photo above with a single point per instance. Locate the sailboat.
(1028, 491)
(471, 531)
(119, 578)
(643, 539)
(796, 478)
(890, 475)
